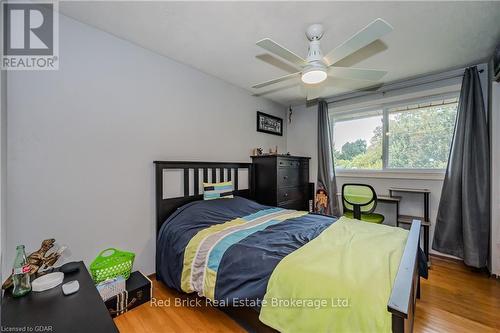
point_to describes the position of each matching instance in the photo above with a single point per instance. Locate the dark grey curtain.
(463, 220)
(326, 195)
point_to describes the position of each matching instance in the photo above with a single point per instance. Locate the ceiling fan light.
(314, 76)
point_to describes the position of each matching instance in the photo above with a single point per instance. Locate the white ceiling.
(219, 37)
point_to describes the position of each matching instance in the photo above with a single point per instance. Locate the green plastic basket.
(111, 263)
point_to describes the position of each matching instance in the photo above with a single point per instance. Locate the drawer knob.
(285, 195)
(285, 177)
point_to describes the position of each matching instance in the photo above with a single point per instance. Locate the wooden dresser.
(282, 181)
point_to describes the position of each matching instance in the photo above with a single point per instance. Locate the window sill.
(396, 174)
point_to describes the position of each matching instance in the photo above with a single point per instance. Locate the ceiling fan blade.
(280, 79)
(356, 73)
(367, 35)
(273, 47)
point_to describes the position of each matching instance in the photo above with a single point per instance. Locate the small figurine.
(258, 151)
(39, 260)
(322, 202)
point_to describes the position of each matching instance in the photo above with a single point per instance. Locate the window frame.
(387, 172)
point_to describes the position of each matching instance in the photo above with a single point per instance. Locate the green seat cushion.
(372, 218)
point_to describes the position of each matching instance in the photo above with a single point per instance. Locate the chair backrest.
(362, 195)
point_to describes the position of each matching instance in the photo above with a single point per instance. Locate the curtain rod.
(422, 107)
(401, 84)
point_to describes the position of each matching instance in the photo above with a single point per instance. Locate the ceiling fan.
(316, 67)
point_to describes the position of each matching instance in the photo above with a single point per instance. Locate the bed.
(247, 264)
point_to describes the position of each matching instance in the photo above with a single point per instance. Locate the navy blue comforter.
(246, 266)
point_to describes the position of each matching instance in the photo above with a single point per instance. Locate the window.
(357, 141)
(417, 136)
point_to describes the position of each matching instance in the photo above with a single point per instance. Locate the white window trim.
(417, 174)
(385, 172)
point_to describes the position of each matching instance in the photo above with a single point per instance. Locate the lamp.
(314, 74)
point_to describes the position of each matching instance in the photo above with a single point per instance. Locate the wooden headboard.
(226, 172)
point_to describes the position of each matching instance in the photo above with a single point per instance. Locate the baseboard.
(446, 258)
(461, 262)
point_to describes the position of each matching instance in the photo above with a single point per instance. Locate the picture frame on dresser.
(269, 124)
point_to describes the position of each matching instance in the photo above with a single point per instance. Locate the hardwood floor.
(454, 299)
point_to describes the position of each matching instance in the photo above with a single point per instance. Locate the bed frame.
(406, 287)
(165, 207)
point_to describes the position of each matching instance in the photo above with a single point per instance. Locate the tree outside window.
(417, 137)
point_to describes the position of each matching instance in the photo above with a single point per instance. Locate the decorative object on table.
(267, 123)
(111, 287)
(321, 202)
(20, 273)
(111, 263)
(39, 260)
(47, 281)
(70, 287)
(258, 151)
(67, 268)
(139, 290)
(273, 151)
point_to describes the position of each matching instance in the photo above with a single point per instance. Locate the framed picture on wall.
(267, 123)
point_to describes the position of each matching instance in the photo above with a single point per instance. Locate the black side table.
(51, 311)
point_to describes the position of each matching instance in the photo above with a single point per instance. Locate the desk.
(391, 200)
(408, 219)
(82, 312)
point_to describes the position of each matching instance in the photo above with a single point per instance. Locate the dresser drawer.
(292, 163)
(291, 194)
(288, 177)
(296, 204)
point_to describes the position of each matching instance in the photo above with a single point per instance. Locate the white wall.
(82, 141)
